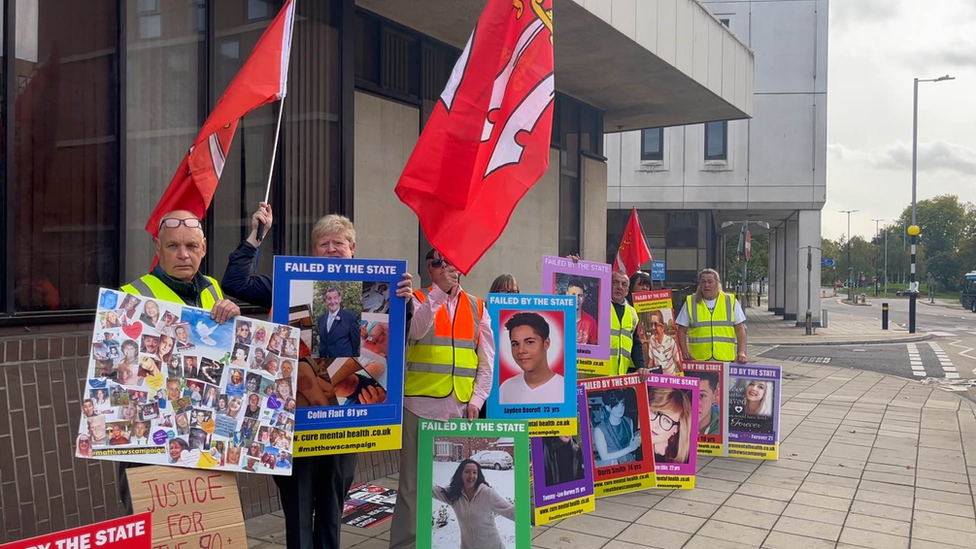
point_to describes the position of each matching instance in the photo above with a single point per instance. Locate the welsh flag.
(487, 141)
(261, 80)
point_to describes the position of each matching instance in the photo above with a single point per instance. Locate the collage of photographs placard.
(352, 337)
(169, 386)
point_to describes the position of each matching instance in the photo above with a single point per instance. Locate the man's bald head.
(180, 249)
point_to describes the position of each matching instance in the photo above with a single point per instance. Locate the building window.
(682, 229)
(258, 9)
(716, 140)
(652, 144)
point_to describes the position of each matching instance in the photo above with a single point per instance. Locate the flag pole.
(274, 153)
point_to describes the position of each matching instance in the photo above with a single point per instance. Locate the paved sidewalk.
(765, 328)
(867, 461)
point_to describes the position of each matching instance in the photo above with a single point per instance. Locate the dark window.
(716, 140)
(568, 112)
(682, 231)
(591, 127)
(725, 21)
(63, 197)
(652, 144)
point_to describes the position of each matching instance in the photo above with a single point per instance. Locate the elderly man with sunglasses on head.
(449, 374)
(180, 247)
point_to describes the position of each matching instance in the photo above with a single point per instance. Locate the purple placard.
(754, 396)
(590, 282)
(675, 450)
(545, 495)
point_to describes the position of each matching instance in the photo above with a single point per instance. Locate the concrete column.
(808, 226)
(780, 271)
(792, 242)
(771, 273)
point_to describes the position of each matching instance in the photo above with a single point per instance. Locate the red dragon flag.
(633, 250)
(261, 80)
(487, 141)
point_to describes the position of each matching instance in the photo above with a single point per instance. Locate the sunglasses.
(438, 263)
(175, 222)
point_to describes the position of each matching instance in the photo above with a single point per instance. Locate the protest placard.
(478, 472)
(169, 386)
(368, 505)
(590, 283)
(535, 362)
(712, 411)
(620, 418)
(132, 532)
(673, 402)
(198, 509)
(656, 332)
(350, 395)
(753, 399)
(562, 471)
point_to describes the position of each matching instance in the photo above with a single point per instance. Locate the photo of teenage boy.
(529, 339)
(586, 326)
(709, 412)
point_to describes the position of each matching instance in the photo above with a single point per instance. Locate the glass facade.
(103, 98)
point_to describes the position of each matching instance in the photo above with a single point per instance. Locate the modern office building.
(101, 99)
(688, 180)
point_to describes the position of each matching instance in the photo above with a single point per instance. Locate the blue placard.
(657, 269)
(354, 327)
(522, 351)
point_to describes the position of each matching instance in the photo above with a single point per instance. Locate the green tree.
(758, 262)
(943, 222)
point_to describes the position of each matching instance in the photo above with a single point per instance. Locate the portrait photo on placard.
(531, 357)
(587, 292)
(751, 404)
(671, 424)
(711, 390)
(656, 332)
(615, 420)
(473, 493)
(337, 307)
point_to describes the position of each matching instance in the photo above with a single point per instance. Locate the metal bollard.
(823, 318)
(884, 316)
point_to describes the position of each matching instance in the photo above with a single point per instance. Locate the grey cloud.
(852, 13)
(937, 155)
(957, 55)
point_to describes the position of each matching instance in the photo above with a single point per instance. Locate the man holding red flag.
(487, 141)
(633, 250)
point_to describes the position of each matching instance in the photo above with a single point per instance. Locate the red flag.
(487, 141)
(633, 250)
(261, 80)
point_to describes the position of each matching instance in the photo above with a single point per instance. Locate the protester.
(180, 247)
(504, 284)
(475, 504)
(626, 354)
(314, 495)
(711, 324)
(459, 389)
(639, 282)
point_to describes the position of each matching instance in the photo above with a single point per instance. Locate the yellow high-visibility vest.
(151, 286)
(445, 360)
(622, 338)
(711, 334)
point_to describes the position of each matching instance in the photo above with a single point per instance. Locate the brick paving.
(867, 461)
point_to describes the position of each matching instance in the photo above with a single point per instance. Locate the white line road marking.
(943, 334)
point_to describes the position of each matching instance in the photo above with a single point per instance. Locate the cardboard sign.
(190, 509)
(169, 386)
(562, 471)
(133, 532)
(656, 332)
(499, 514)
(590, 283)
(531, 344)
(713, 437)
(623, 455)
(754, 405)
(353, 326)
(673, 401)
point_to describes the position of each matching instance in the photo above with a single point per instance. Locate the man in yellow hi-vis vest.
(180, 248)
(711, 325)
(450, 357)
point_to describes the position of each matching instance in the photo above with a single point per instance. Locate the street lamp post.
(877, 279)
(850, 266)
(913, 230)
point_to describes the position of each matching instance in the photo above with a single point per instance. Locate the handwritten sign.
(122, 533)
(191, 509)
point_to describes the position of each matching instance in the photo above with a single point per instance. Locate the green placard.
(501, 449)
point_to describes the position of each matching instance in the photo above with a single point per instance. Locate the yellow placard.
(553, 427)
(676, 482)
(566, 509)
(347, 440)
(753, 451)
(623, 485)
(594, 368)
(706, 449)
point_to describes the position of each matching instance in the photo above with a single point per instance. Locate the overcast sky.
(876, 48)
